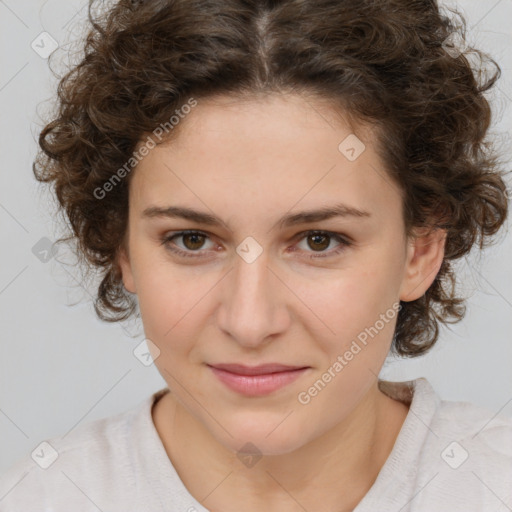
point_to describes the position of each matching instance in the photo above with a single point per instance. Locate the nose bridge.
(250, 308)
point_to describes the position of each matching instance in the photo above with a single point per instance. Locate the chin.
(262, 439)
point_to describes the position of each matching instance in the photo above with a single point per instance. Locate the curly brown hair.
(389, 63)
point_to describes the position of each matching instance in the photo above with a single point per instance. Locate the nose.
(253, 309)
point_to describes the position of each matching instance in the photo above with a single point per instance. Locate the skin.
(250, 163)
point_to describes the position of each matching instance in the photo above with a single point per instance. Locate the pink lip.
(258, 380)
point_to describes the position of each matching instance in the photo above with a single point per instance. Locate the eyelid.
(333, 234)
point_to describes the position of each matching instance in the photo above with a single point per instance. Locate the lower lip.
(257, 385)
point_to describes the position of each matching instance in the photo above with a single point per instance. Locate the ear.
(425, 253)
(123, 261)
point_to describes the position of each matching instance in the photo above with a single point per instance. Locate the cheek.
(361, 308)
(352, 299)
(173, 303)
(169, 318)
(162, 293)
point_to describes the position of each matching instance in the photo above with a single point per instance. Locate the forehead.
(269, 153)
(262, 124)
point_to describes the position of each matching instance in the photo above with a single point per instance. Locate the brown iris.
(193, 237)
(318, 239)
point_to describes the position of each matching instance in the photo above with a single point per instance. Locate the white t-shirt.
(448, 457)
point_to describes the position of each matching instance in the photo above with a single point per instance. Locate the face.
(244, 286)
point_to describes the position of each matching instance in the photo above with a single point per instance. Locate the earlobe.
(425, 254)
(123, 262)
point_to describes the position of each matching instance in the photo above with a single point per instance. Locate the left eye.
(320, 240)
(193, 241)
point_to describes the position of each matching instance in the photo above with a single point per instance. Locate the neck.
(345, 460)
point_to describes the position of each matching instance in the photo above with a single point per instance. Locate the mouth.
(257, 380)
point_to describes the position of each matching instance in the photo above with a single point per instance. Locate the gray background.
(60, 366)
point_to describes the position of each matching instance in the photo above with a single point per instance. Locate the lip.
(262, 369)
(257, 380)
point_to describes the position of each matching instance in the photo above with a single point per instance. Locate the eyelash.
(344, 243)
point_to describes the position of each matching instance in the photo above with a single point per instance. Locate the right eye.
(194, 239)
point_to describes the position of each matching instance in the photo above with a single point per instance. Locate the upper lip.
(262, 369)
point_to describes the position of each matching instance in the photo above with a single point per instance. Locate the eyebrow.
(304, 217)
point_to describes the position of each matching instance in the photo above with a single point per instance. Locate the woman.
(281, 188)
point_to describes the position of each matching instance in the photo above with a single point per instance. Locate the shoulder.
(79, 468)
(446, 419)
(448, 455)
(488, 434)
(467, 452)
